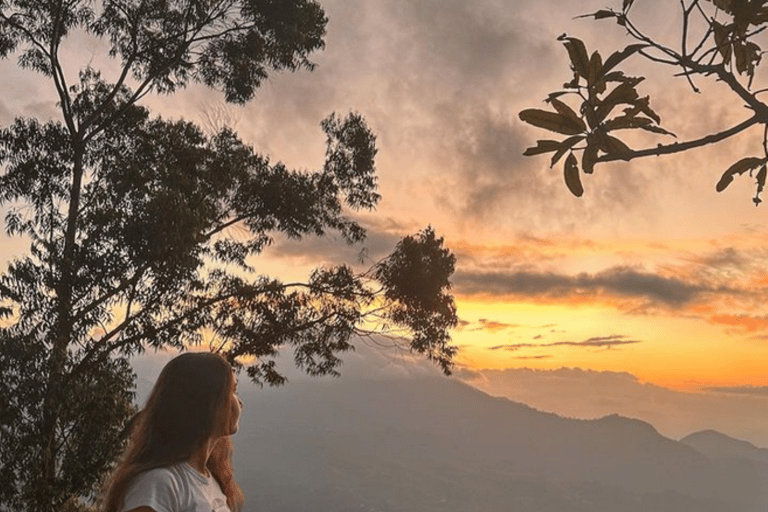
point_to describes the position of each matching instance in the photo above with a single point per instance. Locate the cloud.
(743, 323)
(728, 257)
(618, 282)
(761, 391)
(595, 342)
(515, 347)
(462, 324)
(493, 326)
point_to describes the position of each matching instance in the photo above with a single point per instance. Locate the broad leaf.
(657, 129)
(643, 105)
(622, 93)
(567, 111)
(614, 76)
(722, 40)
(599, 15)
(740, 167)
(614, 147)
(589, 158)
(571, 173)
(595, 72)
(565, 146)
(543, 146)
(578, 54)
(551, 121)
(626, 122)
(760, 185)
(615, 58)
(631, 122)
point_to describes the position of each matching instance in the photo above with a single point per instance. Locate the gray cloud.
(740, 390)
(622, 282)
(596, 342)
(514, 347)
(441, 84)
(728, 257)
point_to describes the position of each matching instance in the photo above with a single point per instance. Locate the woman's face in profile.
(235, 406)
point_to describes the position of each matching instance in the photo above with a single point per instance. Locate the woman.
(179, 458)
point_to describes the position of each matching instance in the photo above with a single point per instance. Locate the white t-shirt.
(177, 488)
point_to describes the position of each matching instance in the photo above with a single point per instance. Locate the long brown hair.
(189, 405)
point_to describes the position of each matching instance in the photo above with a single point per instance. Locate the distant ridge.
(437, 444)
(715, 445)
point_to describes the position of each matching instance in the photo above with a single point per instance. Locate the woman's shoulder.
(161, 489)
(166, 475)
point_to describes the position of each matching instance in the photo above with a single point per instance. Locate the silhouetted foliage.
(718, 40)
(144, 231)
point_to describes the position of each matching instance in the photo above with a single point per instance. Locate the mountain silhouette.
(434, 444)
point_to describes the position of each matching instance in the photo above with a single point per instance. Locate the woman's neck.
(199, 459)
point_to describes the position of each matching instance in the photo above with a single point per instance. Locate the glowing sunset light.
(651, 272)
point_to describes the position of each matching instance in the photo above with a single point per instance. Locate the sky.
(651, 280)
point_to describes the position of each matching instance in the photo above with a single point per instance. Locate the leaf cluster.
(89, 431)
(165, 44)
(416, 280)
(601, 91)
(719, 38)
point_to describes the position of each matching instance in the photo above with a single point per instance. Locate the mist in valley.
(393, 435)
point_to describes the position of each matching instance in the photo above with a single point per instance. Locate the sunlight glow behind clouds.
(649, 251)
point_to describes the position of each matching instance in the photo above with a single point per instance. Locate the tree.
(144, 230)
(718, 40)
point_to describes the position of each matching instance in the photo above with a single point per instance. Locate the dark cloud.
(621, 282)
(545, 356)
(596, 342)
(723, 258)
(601, 342)
(740, 390)
(512, 348)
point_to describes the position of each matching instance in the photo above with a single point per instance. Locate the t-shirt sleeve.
(156, 488)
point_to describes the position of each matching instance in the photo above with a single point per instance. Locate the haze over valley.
(391, 435)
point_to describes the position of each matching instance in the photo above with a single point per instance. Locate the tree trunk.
(46, 494)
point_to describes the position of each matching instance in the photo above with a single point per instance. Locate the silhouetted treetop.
(145, 231)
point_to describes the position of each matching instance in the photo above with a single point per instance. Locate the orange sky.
(651, 272)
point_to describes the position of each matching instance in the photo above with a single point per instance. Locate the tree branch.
(679, 147)
(99, 301)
